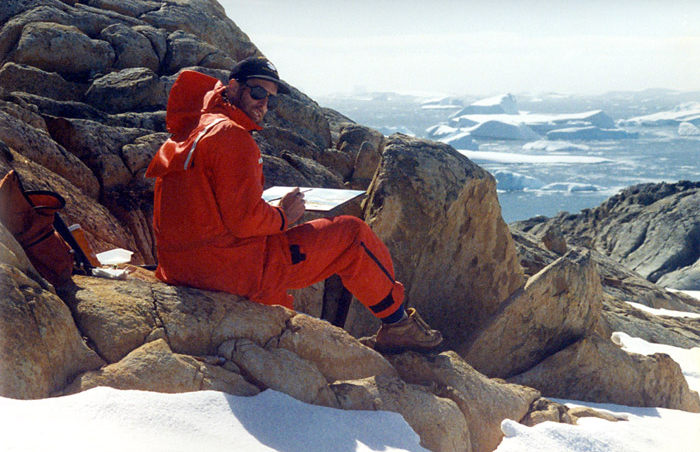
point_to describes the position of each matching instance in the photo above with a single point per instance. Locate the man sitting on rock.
(214, 231)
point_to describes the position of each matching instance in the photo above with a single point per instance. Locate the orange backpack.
(29, 216)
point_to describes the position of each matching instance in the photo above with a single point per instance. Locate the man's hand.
(293, 205)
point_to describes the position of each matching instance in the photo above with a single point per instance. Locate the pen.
(300, 191)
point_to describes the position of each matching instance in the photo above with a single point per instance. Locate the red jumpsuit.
(213, 230)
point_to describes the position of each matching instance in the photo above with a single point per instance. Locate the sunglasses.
(260, 93)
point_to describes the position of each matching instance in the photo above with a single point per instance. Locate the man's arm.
(293, 205)
(235, 172)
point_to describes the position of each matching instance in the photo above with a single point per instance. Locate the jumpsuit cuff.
(284, 219)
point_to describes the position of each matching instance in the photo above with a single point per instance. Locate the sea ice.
(570, 187)
(590, 133)
(554, 146)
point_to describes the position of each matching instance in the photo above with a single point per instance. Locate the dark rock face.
(653, 229)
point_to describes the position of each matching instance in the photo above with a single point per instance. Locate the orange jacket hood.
(195, 99)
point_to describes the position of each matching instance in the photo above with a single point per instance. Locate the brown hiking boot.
(411, 333)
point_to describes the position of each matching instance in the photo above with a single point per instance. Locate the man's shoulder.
(226, 136)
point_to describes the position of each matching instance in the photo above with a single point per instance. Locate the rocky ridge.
(521, 306)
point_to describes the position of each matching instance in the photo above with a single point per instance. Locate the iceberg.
(554, 146)
(455, 137)
(511, 181)
(687, 112)
(506, 130)
(590, 133)
(688, 129)
(461, 140)
(539, 123)
(440, 131)
(462, 121)
(570, 187)
(504, 103)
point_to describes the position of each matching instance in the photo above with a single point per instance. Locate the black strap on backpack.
(81, 260)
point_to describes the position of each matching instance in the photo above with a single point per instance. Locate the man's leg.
(346, 246)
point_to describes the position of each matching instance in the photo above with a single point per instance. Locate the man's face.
(239, 94)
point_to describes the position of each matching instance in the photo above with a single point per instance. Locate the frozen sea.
(543, 177)
(582, 178)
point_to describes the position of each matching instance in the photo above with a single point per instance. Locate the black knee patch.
(297, 255)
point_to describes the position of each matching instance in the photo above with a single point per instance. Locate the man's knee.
(353, 225)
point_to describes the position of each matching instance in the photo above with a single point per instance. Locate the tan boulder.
(130, 89)
(557, 306)
(198, 321)
(353, 136)
(365, 147)
(437, 420)
(366, 164)
(154, 367)
(579, 412)
(338, 161)
(61, 48)
(41, 349)
(185, 49)
(131, 48)
(543, 410)
(207, 20)
(12, 255)
(439, 215)
(303, 116)
(281, 370)
(335, 353)
(27, 79)
(98, 145)
(139, 153)
(38, 146)
(484, 402)
(117, 316)
(596, 370)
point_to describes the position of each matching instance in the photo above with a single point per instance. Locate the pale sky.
(475, 47)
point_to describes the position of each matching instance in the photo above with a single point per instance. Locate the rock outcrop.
(41, 349)
(439, 215)
(598, 370)
(652, 229)
(558, 306)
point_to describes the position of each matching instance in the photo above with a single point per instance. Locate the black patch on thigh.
(297, 255)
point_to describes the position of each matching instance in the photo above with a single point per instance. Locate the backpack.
(30, 216)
